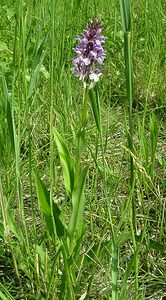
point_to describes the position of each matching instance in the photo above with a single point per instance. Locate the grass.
(82, 186)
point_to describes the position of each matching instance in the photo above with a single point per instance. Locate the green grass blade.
(53, 270)
(37, 64)
(12, 225)
(8, 111)
(153, 134)
(33, 80)
(39, 50)
(153, 139)
(126, 20)
(5, 295)
(123, 238)
(114, 270)
(125, 14)
(126, 275)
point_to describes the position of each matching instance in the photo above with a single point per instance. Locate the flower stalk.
(87, 67)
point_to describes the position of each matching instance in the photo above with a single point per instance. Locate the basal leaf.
(44, 200)
(78, 201)
(66, 162)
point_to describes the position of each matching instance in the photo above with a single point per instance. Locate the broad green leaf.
(43, 196)
(44, 200)
(95, 104)
(79, 238)
(60, 227)
(66, 162)
(78, 201)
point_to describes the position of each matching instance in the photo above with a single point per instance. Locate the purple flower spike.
(89, 53)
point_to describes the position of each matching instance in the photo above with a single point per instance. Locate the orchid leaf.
(66, 162)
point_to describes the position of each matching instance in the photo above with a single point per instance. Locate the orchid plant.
(88, 67)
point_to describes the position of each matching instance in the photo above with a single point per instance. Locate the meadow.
(82, 171)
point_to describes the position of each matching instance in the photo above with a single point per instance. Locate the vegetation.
(82, 181)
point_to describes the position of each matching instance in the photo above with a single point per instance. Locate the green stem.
(129, 86)
(52, 115)
(114, 269)
(81, 134)
(125, 6)
(85, 108)
(67, 266)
